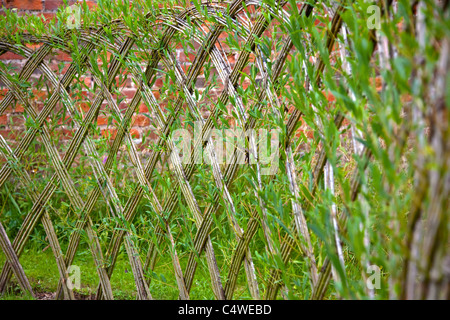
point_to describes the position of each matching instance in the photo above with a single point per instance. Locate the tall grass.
(358, 208)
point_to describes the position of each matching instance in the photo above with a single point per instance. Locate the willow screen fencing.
(332, 94)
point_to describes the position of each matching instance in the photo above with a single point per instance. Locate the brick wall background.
(46, 8)
(12, 124)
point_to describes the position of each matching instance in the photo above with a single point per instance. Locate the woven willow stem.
(187, 21)
(13, 260)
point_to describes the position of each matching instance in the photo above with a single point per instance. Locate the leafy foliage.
(362, 116)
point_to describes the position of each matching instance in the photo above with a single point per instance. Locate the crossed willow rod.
(53, 153)
(230, 174)
(192, 263)
(29, 68)
(214, 34)
(46, 221)
(104, 280)
(288, 241)
(221, 185)
(176, 162)
(174, 194)
(146, 186)
(49, 108)
(53, 240)
(32, 219)
(229, 87)
(91, 119)
(194, 72)
(253, 224)
(211, 260)
(219, 180)
(78, 146)
(101, 259)
(81, 225)
(332, 34)
(129, 211)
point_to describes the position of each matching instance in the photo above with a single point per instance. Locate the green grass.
(366, 205)
(42, 272)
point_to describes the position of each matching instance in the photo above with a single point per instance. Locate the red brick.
(129, 93)
(268, 33)
(19, 108)
(48, 16)
(330, 97)
(345, 123)
(231, 58)
(3, 92)
(101, 121)
(32, 46)
(39, 95)
(135, 134)
(10, 56)
(405, 98)
(158, 83)
(5, 133)
(377, 82)
(67, 120)
(3, 120)
(223, 35)
(156, 94)
(87, 81)
(92, 4)
(186, 58)
(143, 108)
(141, 120)
(10, 134)
(151, 134)
(109, 133)
(84, 106)
(108, 58)
(54, 65)
(16, 120)
(78, 94)
(55, 4)
(65, 134)
(63, 57)
(246, 84)
(24, 4)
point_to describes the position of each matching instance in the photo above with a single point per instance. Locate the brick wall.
(12, 124)
(46, 8)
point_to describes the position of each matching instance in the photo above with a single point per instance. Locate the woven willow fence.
(122, 42)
